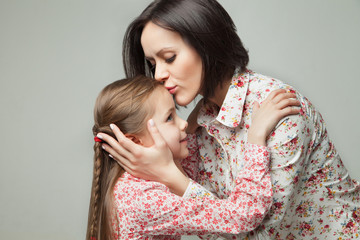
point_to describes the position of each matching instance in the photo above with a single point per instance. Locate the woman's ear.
(134, 138)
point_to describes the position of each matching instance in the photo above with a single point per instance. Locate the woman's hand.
(151, 163)
(264, 118)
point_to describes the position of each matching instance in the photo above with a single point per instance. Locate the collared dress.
(148, 210)
(313, 194)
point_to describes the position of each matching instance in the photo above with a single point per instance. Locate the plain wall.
(55, 57)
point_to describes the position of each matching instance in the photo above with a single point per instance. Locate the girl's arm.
(153, 210)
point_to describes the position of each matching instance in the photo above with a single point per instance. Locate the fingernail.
(112, 126)
(151, 122)
(111, 156)
(103, 147)
(99, 136)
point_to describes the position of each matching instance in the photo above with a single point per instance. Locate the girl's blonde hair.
(123, 103)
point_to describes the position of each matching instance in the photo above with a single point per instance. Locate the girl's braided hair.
(123, 103)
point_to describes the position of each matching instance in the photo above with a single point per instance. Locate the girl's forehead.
(161, 93)
(161, 98)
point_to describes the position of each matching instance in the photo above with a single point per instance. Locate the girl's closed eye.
(171, 59)
(170, 118)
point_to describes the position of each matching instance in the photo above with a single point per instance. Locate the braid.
(93, 221)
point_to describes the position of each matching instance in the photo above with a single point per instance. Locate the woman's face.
(175, 62)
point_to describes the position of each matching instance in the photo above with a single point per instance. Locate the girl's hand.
(151, 163)
(264, 118)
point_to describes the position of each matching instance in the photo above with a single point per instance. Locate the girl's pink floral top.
(314, 196)
(148, 210)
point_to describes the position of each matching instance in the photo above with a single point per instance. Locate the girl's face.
(175, 62)
(170, 125)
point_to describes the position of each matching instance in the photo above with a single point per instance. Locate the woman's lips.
(171, 89)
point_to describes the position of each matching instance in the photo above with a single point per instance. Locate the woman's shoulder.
(260, 86)
(265, 82)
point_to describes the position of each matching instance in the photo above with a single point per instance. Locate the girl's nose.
(183, 125)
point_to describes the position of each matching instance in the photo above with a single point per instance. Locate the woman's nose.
(161, 73)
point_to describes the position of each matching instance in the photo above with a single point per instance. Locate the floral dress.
(314, 196)
(147, 210)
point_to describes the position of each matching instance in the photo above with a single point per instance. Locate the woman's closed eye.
(151, 64)
(152, 67)
(170, 60)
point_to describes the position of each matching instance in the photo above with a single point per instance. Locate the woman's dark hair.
(204, 24)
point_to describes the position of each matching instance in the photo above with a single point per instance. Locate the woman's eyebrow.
(159, 53)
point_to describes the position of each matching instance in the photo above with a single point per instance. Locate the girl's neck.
(178, 164)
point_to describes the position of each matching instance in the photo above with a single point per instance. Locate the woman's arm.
(290, 146)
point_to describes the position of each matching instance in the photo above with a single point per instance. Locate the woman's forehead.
(155, 39)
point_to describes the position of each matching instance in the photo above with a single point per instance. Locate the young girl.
(125, 207)
(192, 47)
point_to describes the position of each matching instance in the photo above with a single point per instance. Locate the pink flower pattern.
(148, 210)
(314, 196)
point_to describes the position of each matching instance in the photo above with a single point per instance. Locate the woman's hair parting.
(203, 24)
(123, 103)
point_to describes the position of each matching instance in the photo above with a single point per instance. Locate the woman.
(192, 47)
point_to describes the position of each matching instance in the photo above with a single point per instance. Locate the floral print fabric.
(314, 196)
(148, 210)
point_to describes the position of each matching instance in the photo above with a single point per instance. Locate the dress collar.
(232, 108)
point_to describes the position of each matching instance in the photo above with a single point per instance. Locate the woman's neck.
(220, 93)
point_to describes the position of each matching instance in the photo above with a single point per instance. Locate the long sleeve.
(192, 165)
(289, 146)
(148, 208)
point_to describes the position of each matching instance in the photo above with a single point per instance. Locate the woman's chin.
(181, 101)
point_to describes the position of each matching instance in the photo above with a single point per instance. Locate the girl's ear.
(133, 138)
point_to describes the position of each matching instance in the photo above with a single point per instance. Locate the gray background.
(55, 56)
